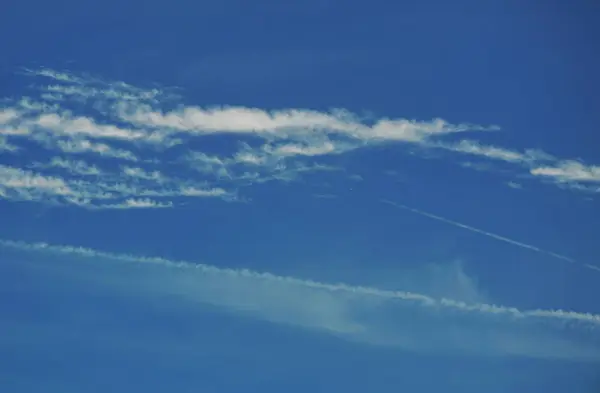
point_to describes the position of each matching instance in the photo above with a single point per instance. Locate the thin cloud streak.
(422, 300)
(485, 233)
(356, 313)
(569, 171)
(592, 267)
(145, 203)
(495, 153)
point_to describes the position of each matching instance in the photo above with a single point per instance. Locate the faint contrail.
(591, 320)
(396, 319)
(486, 233)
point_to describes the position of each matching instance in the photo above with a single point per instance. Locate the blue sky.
(309, 196)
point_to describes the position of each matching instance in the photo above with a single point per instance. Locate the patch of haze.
(441, 280)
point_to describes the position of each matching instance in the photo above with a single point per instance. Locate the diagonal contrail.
(217, 272)
(396, 319)
(486, 233)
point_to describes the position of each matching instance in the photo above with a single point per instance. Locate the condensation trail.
(560, 316)
(488, 234)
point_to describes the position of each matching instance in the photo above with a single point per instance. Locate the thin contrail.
(488, 234)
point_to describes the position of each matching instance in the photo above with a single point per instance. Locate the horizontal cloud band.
(103, 121)
(368, 314)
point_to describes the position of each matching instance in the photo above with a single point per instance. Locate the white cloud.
(64, 124)
(83, 92)
(569, 171)
(140, 173)
(87, 86)
(233, 119)
(193, 191)
(76, 167)
(26, 185)
(286, 123)
(495, 153)
(130, 187)
(306, 150)
(6, 146)
(56, 75)
(85, 146)
(132, 203)
(269, 163)
(248, 157)
(13, 131)
(208, 164)
(87, 115)
(539, 163)
(7, 115)
(28, 106)
(408, 320)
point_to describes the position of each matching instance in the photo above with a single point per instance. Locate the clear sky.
(299, 196)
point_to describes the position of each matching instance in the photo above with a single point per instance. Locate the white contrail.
(488, 234)
(562, 316)
(591, 267)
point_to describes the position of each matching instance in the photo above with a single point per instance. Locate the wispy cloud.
(285, 124)
(64, 124)
(7, 115)
(154, 132)
(5, 146)
(495, 153)
(20, 184)
(569, 171)
(75, 146)
(140, 173)
(83, 87)
(144, 203)
(76, 167)
(407, 320)
(80, 184)
(538, 163)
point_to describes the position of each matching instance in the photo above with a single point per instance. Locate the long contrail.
(395, 319)
(488, 234)
(411, 297)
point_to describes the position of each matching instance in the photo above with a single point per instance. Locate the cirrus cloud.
(88, 126)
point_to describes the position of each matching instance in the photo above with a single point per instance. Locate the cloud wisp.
(405, 320)
(570, 171)
(93, 188)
